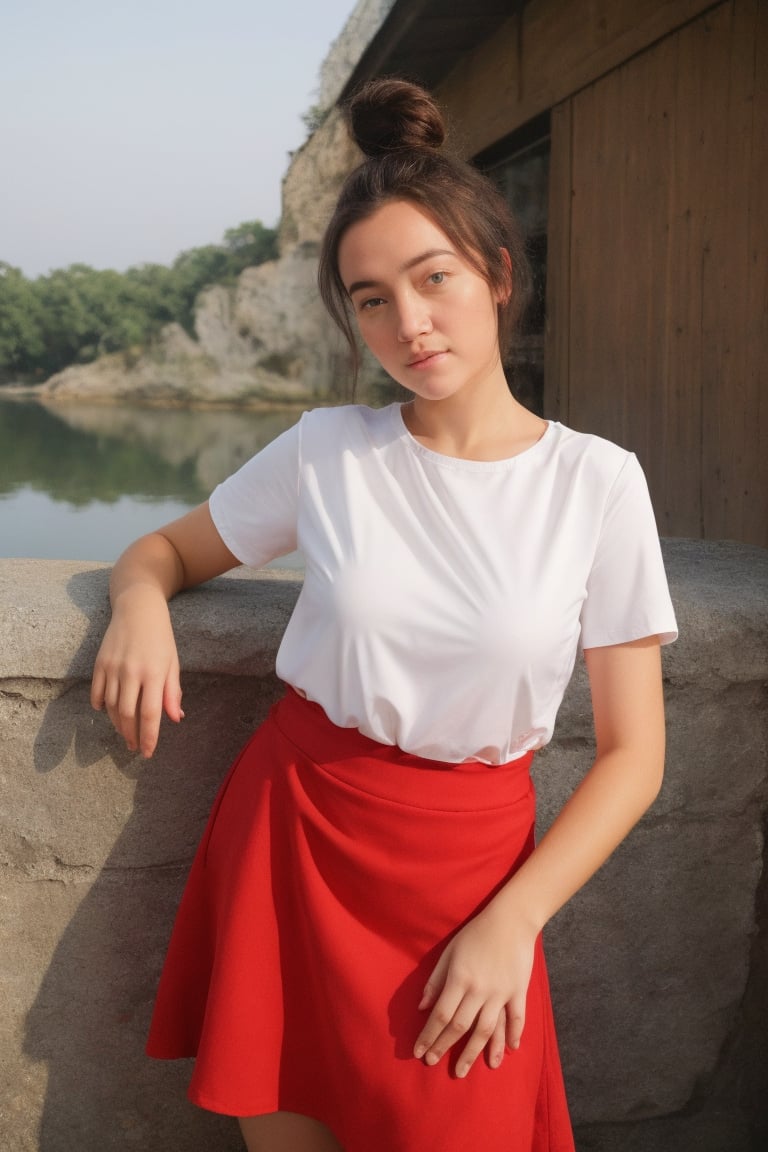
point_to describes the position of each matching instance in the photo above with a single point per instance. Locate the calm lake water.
(79, 482)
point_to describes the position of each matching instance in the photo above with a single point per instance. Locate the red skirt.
(331, 875)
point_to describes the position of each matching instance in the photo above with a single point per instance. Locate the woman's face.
(427, 315)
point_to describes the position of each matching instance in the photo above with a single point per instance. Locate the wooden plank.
(668, 334)
(565, 47)
(480, 94)
(735, 344)
(755, 521)
(694, 163)
(647, 98)
(557, 319)
(595, 37)
(596, 240)
(557, 328)
(633, 280)
(722, 295)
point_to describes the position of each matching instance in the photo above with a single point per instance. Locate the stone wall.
(345, 52)
(659, 967)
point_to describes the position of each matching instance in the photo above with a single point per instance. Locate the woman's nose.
(413, 318)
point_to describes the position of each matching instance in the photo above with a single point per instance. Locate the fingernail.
(462, 1071)
(182, 714)
(496, 1060)
(432, 1058)
(419, 1051)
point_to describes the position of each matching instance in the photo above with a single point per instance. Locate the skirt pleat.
(331, 875)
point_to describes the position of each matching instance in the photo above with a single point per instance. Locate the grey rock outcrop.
(174, 370)
(267, 338)
(272, 322)
(345, 52)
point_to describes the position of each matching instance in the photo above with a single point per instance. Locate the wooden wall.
(657, 293)
(547, 51)
(658, 269)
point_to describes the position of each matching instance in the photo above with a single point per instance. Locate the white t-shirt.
(444, 599)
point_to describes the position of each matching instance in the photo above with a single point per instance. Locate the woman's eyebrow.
(412, 263)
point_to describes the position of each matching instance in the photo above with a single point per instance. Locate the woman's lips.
(427, 360)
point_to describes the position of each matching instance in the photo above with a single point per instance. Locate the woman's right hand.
(136, 675)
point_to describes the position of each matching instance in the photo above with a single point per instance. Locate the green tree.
(21, 324)
(194, 270)
(250, 244)
(78, 313)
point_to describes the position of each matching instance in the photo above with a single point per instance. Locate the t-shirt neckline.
(459, 462)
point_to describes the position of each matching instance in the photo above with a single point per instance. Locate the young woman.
(357, 959)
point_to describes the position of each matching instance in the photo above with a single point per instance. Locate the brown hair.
(400, 129)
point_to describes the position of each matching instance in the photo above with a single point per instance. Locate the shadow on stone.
(114, 881)
(79, 730)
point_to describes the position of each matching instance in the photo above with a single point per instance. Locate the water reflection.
(80, 482)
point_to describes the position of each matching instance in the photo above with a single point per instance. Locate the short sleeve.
(255, 509)
(627, 593)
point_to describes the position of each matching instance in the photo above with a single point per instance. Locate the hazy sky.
(131, 131)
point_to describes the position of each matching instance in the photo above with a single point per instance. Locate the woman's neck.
(481, 424)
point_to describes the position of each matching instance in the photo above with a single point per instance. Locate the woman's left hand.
(478, 989)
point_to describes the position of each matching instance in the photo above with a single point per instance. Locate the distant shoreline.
(21, 392)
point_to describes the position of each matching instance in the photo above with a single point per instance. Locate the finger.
(112, 701)
(515, 1022)
(495, 1047)
(111, 693)
(172, 694)
(440, 1018)
(126, 721)
(434, 985)
(447, 1023)
(97, 688)
(149, 713)
(482, 1034)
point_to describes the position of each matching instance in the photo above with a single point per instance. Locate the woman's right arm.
(136, 675)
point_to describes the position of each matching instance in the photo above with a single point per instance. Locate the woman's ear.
(504, 291)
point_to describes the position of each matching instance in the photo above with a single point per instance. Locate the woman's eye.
(437, 278)
(373, 302)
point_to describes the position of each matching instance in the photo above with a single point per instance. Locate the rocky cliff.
(266, 338)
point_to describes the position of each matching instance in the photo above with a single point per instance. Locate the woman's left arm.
(479, 985)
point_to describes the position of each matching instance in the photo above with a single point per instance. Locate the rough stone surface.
(345, 52)
(277, 307)
(53, 615)
(312, 182)
(94, 847)
(179, 370)
(659, 966)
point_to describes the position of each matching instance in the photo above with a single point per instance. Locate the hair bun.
(390, 115)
